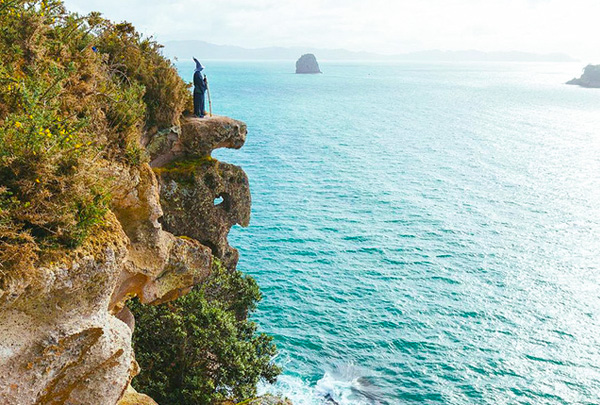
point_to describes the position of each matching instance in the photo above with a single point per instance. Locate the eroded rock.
(217, 193)
(65, 335)
(160, 266)
(196, 138)
(59, 342)
(132, 397)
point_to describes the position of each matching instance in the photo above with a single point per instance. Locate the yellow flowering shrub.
(74, 90)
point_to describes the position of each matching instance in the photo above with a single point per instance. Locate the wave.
(344, 385)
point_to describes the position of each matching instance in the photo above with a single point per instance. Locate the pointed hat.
(199, 66)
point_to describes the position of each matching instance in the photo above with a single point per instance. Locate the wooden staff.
(209, 100)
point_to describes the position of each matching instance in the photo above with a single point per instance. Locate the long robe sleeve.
(199, 83)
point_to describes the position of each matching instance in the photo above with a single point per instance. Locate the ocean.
(422, 233)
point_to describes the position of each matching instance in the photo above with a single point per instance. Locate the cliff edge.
(66, 337)
(114, 219)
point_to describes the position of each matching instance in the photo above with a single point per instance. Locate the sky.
(380, 26)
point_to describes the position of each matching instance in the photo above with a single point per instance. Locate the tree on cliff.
(201, 349)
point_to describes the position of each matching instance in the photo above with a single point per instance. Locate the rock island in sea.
(307, 64)
(589, 78)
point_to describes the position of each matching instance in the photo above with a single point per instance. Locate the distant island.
(307, 64)
(589, 78)
(187, 49)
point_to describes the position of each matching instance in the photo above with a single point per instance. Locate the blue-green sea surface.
(422, 233)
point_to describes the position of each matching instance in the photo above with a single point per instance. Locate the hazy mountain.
(205, 50)
(472, 55)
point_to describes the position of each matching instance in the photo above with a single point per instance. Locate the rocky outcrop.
(589, 78)
(307, 64)
(196, 138)
(160, 266)
(60, 343)
(66, 336)
(267, 400)
(218, 194)
(132, 397)
(192, 181)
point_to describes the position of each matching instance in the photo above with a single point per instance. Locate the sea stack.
(307, 64)
(589, 78)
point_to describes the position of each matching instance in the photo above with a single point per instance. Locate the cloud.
(387, 26)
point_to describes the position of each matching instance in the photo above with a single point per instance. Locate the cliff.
(66, 336)
(589, 78)
(113, 224)
(307, 64)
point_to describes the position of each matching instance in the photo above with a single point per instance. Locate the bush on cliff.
(74, 91)
(136, 58)
(200, 349)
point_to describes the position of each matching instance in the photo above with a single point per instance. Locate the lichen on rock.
(196, 138)
(60, 344)
(193, 182)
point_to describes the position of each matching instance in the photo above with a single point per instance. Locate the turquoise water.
(423, 234)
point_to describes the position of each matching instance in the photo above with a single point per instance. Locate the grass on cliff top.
(74, 91)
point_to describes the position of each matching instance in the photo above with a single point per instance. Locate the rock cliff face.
(191, 181)
(589, 78)
(66, 337)
(307, 64)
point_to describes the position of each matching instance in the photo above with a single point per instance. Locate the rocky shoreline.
(590, 77)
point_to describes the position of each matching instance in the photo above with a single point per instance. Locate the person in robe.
(199, 90)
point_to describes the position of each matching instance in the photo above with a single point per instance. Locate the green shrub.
(200, 349)
(74, 91)
(133, 57)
